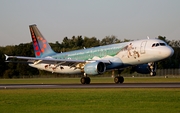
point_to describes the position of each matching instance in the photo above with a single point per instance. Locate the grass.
(93, 80)
(115, 100)
(131, 100)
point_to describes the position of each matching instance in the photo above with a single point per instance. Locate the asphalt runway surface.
(93, 85)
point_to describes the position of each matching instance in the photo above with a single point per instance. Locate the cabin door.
(142, 48)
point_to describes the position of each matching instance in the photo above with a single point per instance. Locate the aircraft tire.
(88, 80)
(153, 73)
(116, 80)
(85, 80)
(119, 79)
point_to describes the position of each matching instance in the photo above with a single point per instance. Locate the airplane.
(142, 55)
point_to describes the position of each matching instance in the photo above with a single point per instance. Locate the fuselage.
(121, 55)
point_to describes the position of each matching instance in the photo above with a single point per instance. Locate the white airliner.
(141, 54)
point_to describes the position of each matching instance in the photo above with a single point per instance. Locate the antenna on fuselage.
(147, 37)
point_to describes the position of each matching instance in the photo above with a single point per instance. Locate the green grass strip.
(130, 100)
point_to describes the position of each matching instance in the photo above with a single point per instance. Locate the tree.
(164, 39)
(57, 47)
(2, 64)
(110, 40)
(9, 73)
(126, 40)
(90, 42)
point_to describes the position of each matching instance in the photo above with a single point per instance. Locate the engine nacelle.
(95, 68)
(149, 68)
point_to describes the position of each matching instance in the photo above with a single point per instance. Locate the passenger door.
(142, 48)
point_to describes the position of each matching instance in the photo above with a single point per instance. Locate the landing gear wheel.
(116, 80)
(88, 80)
(153, 73)
(85, 80)
(119, 79)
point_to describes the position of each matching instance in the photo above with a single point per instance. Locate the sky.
(56, 19)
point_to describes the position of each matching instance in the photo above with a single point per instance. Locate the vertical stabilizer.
(41, 46)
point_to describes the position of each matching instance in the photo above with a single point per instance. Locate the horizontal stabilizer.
(6, 56)
(22, 62)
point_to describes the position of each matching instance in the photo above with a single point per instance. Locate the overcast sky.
(56, 19)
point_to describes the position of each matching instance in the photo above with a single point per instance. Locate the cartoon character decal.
(53, 67)
(129, 51)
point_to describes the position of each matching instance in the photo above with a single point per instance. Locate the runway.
(95, 85)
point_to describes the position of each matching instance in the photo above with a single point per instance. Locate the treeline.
(16, 70)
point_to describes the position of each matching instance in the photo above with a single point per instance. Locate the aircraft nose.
(169, 52)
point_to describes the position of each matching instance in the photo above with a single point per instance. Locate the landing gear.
(153, 73)
(119, 79)
(85, 80)
(152, 68)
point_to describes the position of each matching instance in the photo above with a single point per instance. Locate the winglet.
(6, 56)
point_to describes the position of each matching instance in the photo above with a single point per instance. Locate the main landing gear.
(118, 79)
(85, 79)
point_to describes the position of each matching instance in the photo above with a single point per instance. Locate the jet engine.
(149, 68)
(95, 68)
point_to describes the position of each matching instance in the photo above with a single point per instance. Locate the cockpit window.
(158, 44)
(162, 44)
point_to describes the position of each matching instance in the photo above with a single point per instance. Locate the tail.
(41, 46)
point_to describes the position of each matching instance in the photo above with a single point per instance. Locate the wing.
(50, 60)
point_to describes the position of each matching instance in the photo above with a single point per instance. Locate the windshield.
(158, 44)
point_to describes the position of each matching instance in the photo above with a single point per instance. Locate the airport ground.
(92, 100)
